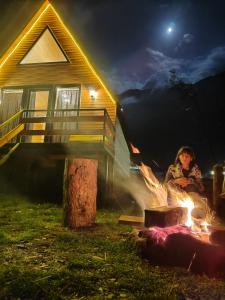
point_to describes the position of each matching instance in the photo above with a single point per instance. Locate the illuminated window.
(10, 103)
(45, 50)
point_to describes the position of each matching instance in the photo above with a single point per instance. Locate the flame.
(189, 204)
(154, 186)
(178, 197)
(134, 149)
(149, 176)
(204, 226)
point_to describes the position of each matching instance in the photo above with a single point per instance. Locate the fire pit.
(179, 246)
(178, 235)
(173, 237)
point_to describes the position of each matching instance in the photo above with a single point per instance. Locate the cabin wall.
(122, 153)
(121, 166)
(61, 74)
(76, 71)
(119, 173)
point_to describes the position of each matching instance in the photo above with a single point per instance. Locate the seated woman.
(185, 175)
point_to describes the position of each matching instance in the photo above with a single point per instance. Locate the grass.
(40, 259)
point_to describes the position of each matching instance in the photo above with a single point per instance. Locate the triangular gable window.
(45, 50)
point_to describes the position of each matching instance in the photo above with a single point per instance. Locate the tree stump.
(79, 192)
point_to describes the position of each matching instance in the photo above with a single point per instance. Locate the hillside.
(160, 121)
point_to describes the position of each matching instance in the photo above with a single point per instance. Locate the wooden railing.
(10, 129)
(61, 126)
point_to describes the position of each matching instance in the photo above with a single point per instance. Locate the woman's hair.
(185, 149)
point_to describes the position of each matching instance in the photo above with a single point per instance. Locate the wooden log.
(222, 195)
(217, 185)
(131, 220)
(217, 236)
(177, 246)
(80, 190)
(164, 216)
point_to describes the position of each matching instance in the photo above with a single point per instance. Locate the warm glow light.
(45, 50)
(204, 226)
(93, 94)
(189, 204)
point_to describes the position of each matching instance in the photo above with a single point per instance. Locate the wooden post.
(79, 192)
(217, 185)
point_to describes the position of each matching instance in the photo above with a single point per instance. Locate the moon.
(170, 29)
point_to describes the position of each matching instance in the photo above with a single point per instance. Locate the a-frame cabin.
(54, 105)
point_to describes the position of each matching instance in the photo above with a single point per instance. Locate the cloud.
(188, 70)
(160, 66)
(156, 66)
(129, 100)
(186, 39)
(209, 65)
(120, 81)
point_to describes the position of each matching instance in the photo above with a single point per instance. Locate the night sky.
(135, 43)
(130, 41)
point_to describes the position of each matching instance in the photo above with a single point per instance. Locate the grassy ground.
(40, 259)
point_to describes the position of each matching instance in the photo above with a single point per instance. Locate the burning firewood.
(164, 216)
(178, 246)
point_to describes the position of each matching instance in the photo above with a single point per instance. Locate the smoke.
(135, 186)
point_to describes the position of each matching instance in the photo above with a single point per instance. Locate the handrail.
(60, 116)
(11, 119)
(6, 156)
(109, 120)
(11, 134)
(51, 119)
(65, 110)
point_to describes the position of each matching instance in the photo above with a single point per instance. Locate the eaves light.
(93, 94)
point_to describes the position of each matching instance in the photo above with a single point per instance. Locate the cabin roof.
(19, 26)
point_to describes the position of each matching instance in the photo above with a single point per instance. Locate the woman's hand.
(183, 181)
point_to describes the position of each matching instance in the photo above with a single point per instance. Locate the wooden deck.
(59, 126)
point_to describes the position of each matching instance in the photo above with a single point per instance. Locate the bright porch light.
(93, 94)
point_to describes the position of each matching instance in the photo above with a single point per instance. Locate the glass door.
(67, 104)
(38, 104)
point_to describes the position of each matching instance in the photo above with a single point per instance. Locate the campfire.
(180, 233)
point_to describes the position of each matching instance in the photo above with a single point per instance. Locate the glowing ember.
(204, 226)
(159, 235)
(189, 204)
